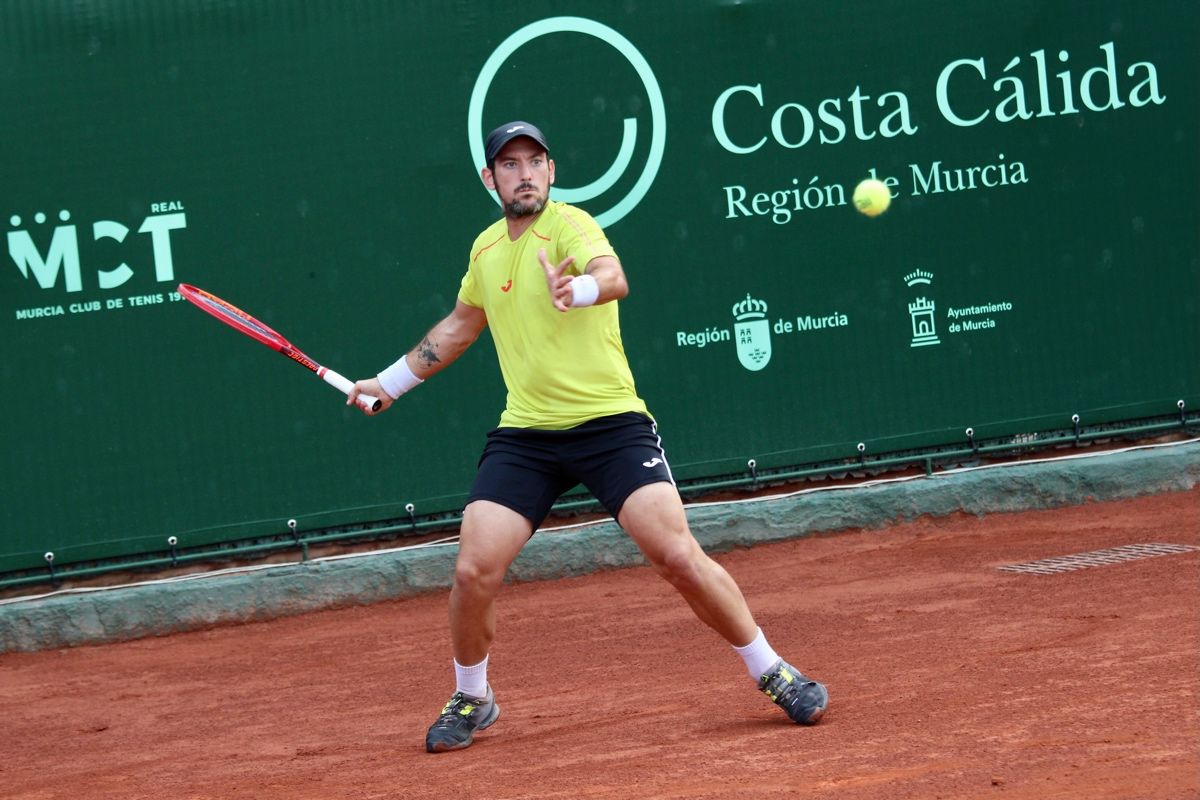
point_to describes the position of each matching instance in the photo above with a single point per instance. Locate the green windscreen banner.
(317, 164)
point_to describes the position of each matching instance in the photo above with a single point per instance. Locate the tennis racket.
(239, 320)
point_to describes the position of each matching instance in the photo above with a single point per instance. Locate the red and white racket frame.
(260, 332)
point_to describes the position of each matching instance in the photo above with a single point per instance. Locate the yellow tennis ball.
(872, 197)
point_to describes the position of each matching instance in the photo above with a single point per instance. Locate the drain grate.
(1098, 558)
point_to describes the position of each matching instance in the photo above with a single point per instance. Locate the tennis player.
(545, 280)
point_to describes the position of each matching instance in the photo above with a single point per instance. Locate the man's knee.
(477, 577)
(683, 565)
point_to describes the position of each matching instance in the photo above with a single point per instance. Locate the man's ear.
(489, 180)
(550, 161)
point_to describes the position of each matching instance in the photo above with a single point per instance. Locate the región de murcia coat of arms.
(752, 332)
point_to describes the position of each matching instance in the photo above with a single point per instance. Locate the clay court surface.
(949, 679)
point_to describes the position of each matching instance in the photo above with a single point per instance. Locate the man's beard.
(516, 208)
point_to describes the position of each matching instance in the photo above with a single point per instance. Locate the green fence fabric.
(317, 163)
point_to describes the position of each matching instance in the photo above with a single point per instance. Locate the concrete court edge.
(161, 608)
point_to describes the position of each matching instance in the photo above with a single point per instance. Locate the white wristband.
(584, 291)
(398, 379)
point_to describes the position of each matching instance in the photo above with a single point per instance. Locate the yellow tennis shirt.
(561, 370)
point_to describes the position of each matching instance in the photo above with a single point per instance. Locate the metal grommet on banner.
(862, 453)
(970, 432)
(412, 516)
(1075, 422)
(752, 465)
(291, 523)
(172, 542)
(1182, 417)
(49, 557)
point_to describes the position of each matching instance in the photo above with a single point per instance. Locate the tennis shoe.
(803, 699)
(461, 717)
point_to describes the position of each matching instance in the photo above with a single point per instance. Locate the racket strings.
(237, 316)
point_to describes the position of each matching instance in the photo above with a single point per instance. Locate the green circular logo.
(658, 114)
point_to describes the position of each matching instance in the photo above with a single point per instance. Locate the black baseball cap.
(506, 133)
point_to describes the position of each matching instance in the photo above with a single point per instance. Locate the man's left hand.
(558, 283)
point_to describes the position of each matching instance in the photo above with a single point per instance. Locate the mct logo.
(658, 115)
(62, 254)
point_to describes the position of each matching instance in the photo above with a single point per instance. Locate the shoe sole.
(814, 718)
(442, 747)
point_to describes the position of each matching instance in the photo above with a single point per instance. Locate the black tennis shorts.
(526, 469)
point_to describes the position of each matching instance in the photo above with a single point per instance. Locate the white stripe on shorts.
(667, 464)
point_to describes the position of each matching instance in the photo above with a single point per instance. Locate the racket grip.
(344, 385)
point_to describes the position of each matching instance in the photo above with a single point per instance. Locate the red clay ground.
(949, 679)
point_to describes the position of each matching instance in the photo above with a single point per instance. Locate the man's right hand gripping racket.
(239, 320)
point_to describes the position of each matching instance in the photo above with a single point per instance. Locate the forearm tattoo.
(427, 353)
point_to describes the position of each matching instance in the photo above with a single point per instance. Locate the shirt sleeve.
(468, 291)
(583, 238)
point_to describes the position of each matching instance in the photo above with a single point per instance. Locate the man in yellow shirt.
(545, 280)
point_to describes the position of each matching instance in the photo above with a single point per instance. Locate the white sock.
(758, 655)
(472, 680)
